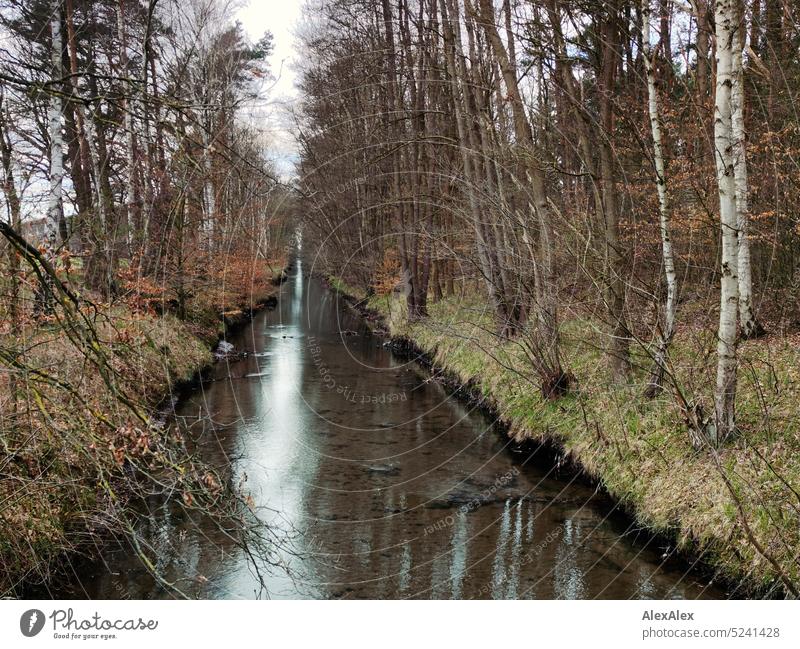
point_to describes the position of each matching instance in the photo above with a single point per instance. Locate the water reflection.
(389, 487)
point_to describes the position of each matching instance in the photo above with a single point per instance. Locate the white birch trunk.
(659, 369)
(129, 193)
(210, 199)
(210, 203)
(55, 207)
(725, 392)
(748, 324)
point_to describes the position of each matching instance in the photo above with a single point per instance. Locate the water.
(384, 485)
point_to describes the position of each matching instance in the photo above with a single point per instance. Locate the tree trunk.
(747, 319)
(392, 109)
(615, 257)
(725, 392)
(77, 144)
(546, 303)
(773, 43)
(666, 34)
(55, 202)
(130, 193)
(668, 327)
(702, 45)
(453, 51)
(14, 209)
(209, 191)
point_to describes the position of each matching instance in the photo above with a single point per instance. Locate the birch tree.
(668, 325)
(569, 212)
(724, 150)
(749, 326)
(55, 205)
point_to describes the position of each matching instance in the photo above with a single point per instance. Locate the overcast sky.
(280, 17)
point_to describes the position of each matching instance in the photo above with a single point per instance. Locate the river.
(380, 484)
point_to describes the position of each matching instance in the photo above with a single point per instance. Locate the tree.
(726, 24)
(670, 305)
(55, 202)
(546, 305)
(750, 328)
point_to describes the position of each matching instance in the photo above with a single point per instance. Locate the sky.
(280, 17)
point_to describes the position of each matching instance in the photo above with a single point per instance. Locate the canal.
(379, 483)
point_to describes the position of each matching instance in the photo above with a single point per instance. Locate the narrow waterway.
(380, 484)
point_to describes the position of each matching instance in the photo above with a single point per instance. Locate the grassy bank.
(73, 455)
(739, 508)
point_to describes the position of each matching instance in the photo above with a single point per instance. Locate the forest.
(586, 211)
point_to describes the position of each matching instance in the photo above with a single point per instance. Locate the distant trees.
(136, 130)
(549, 150)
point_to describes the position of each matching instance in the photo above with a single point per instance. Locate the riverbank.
(736, 511)
(73, 455)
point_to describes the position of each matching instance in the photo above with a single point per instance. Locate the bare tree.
(670, 305)
(750, 327)
(724, 147)
(55, 202)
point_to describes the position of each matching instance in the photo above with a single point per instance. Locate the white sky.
(280, 17)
